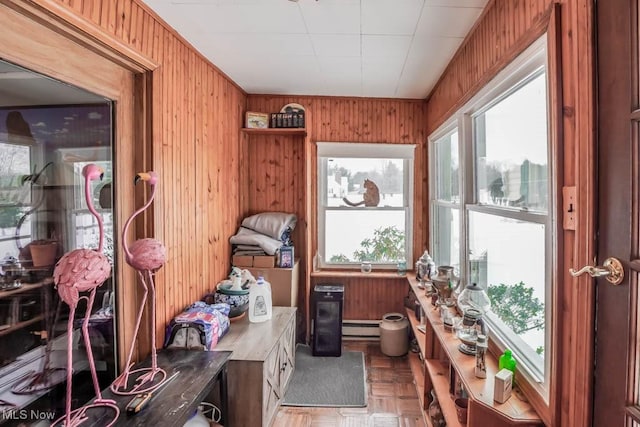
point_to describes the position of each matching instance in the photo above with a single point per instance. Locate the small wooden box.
(502, 386)
(242, 261)
(264, 261)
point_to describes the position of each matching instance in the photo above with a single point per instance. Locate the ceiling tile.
(447, 21)
(457, 3)
(381, 71)
(331, 16)
(427, 60)
(348, 67)
(391, 47)
(263, 44)
(372, 48)
(336, 44)
(262, 17)
(388, 17)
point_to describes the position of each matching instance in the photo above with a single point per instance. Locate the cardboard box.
(264, 261)
(502, 386)
(284, 283)
(242, 261)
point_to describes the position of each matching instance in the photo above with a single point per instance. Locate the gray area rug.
(327, 381)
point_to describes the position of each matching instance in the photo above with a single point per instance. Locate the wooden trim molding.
(551, 414)
(52, 14)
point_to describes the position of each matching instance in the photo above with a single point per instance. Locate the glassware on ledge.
(365, 267)
(445, 282)
(473, 296)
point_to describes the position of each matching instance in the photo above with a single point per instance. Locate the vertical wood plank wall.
(277, 172)
(334, 119)
(505, 29)
(197, 113)
(368, 298)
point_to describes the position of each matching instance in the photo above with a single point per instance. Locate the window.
(15, 195)
(365, 204)
(492, 218)
(446, 202)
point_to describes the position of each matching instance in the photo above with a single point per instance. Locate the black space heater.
(327, 320)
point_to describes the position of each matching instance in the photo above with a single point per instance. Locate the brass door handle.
(611, 269)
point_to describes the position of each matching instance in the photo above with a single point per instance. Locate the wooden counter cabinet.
(440, 363)
(260, 366)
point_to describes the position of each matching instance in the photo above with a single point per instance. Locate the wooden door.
(616, 380)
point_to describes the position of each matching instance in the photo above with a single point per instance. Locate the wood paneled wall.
(194, 146)
(334, 119)
(505, 29)
(282, 170)
(368, 298)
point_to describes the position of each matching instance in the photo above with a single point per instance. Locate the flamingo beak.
(144, 176)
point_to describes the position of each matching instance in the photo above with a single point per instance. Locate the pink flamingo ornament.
(78, 271)
(146, 256)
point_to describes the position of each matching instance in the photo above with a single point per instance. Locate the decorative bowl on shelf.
(238, 303)
(224, 287)
(238, 311)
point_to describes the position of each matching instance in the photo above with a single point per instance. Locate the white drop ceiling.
(358, 48)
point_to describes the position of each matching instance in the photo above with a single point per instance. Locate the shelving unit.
(276, 131)
(416, 360)
(21, 325)
(440, 348)
(26, 288)
(23, 290)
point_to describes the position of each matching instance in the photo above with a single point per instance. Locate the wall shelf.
(21, 325)
(483, 410)
(276, 131)
(26, 287)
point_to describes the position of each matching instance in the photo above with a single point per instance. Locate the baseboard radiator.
(361, 329)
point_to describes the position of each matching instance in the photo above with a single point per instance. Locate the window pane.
(364, 235)
(446, 229)
(447, 164)
(15, 162)
(511, 149)
(508, 259)
(346, 178)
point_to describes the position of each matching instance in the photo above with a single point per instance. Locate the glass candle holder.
(402, 268)
(365, 267)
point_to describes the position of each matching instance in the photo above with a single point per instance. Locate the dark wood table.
(176, 402)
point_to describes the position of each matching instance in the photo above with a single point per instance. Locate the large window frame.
(514, 76)
(382, 151)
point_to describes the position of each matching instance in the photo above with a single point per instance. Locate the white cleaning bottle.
(260, 308)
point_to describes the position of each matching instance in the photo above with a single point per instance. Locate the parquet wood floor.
(392, 398)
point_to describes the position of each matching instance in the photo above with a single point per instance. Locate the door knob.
(611, 269)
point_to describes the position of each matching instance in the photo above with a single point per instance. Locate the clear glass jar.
(365, 267)
(473, 296)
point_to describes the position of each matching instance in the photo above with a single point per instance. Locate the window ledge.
(359, 274)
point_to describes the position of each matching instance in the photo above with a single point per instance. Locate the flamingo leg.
(72, 310)
(123, 379)
(149, 377)
(154, 355)
(87, 344)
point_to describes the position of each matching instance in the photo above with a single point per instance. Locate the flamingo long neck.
(125, 245)
(89, 198)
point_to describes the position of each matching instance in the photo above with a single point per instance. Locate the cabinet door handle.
(284, 366)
